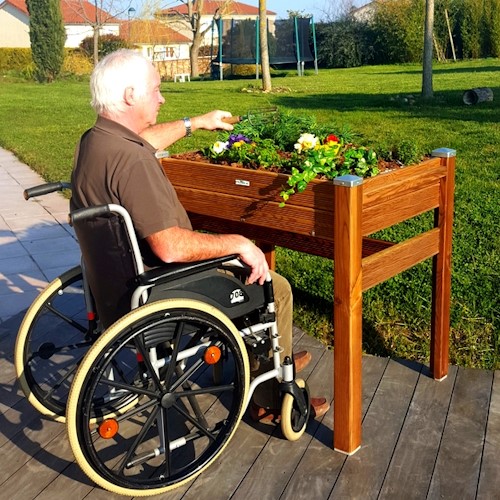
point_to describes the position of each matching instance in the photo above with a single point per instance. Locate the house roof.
(150, 32)
(72, 11)
(224, 7)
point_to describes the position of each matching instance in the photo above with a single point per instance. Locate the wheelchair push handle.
(88, 213)
(42, 189)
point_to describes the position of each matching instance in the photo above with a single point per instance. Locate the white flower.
(306, 141)
(220, 146)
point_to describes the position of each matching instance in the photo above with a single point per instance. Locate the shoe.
(319, 406)
(301, 360)
(269, 416)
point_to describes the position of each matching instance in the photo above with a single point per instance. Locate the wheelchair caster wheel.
(293, 421)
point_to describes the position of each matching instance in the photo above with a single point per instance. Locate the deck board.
(459, 457)
(421, 439)
(415, 454)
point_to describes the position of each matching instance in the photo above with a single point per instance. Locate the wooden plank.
(314, 245)
(397, 258)
(489, 478)
(33, 434)
(441, 276)
(407, 179)
(320, 466)
(279, 458)
(347, 305)
(364, 472)
(458, 462)
(416, 451)
(397, 208)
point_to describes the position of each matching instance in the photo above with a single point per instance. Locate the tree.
(264, 50)
(47, 37)
(97, 15)
(193, 20)
(427, 90)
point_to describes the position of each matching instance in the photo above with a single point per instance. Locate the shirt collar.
(116, 128)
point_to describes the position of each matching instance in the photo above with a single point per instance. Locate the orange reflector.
(212, 355)
(108, 428)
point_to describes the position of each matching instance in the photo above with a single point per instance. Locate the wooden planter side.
(252, 197)
(334, 221)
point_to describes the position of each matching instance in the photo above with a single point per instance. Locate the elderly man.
(115, 162)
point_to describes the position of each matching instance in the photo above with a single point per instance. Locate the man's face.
(149, 105)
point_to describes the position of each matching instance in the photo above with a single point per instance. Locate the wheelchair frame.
(103, 397)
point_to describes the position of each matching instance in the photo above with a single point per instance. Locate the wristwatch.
(187, 124)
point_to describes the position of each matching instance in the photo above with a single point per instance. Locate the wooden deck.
(421, 439)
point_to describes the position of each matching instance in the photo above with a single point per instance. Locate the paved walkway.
(36, 242)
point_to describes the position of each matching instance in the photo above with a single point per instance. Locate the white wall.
(75, 33)
(14, 30)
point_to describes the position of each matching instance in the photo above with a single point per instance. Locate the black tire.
(53, 337)
(179, 401)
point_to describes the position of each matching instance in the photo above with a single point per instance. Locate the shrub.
(15, 59)
(77, 63)
(106, 45)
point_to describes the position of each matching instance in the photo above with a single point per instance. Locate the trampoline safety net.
(288, 41)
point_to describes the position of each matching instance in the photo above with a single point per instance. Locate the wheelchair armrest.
(180, 270)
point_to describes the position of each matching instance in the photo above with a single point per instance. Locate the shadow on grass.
(373, 341)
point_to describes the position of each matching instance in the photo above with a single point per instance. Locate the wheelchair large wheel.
(166, 350)
(293, 422)
(53, 337)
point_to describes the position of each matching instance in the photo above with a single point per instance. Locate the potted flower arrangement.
(294, 145)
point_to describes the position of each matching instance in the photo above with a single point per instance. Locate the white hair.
(112, 75)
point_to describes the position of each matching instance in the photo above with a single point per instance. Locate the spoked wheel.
(184, 419)
(293, 421)
(53, 338)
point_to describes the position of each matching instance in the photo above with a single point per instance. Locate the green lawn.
(41, 124)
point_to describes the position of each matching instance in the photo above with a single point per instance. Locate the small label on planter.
(241, 182)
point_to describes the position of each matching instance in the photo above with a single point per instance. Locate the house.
(78, 17)
(176, 16)
(364, 13)
(168, 49)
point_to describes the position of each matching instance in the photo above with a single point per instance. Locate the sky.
(281, 7)
(320, 9)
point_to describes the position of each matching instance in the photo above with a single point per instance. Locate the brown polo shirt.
(115, 165)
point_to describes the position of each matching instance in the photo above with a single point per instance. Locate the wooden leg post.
(441, 269)
(270, 252)
(347, 312)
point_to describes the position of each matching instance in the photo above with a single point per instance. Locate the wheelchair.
(55, 334)
(161, 379)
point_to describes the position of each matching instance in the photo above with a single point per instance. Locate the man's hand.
(163, 135)
(255, 258)
(176, 244)
(212, 121)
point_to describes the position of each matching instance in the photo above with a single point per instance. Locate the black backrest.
(109, 264)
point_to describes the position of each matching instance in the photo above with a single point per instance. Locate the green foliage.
(398, 28)
(405, 152)
(15, 59)
(344, 44)
(107, 44)
(47, 36)
(293, 144)
(77, 63)
(395, 33)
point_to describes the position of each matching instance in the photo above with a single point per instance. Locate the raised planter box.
(335, 219)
